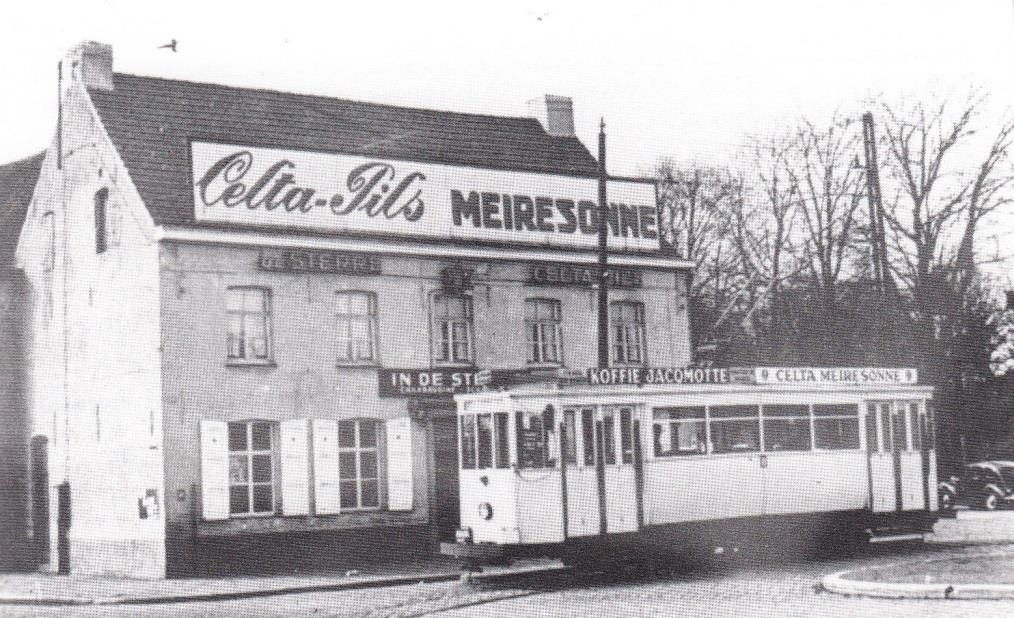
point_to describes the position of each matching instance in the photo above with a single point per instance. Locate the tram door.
(884, 459)
(602, 450)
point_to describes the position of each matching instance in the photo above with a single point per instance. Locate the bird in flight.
(170, 46)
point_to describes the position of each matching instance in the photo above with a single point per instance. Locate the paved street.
(757, 587)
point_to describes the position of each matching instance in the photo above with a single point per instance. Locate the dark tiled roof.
(151, 122)
(17, 183)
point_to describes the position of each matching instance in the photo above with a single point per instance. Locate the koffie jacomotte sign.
(270, 187)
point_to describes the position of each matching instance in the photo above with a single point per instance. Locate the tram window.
(931, 425)
(626, 436)
(531, 441)
(468, 442)
(786, 428)
(569, 434)
(588, 435)
(735, 429)
(898, 426)
(913, 425)
(885, 429)
(872, 444)
(549, 438)
(679, 431)
(609, 436)
(501, 430)
(836, 427)
(484, 425)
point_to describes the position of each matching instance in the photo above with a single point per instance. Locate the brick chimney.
(556, 114)
(91, 64)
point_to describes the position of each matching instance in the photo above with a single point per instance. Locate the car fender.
(993, 488)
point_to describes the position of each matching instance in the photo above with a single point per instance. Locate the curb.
(839, 584)
(401, 580)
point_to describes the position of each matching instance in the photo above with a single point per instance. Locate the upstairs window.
(101, 238)
(249, 329)
(542, 328)
(452, 328)
(356, 319)
(626, 320)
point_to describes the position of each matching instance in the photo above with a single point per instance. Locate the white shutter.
(399, 464)
(325, 466)
(295, 468)
(214, 470)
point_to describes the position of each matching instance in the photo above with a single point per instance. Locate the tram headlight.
(486, 510)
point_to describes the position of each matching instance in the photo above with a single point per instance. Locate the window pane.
(673, 438)
(237, 436)
(346, 433)
(913, 426)
(885, 428)
(588, 436)
(239, 499)
(263, 499)
(786, 410)
(368, 465)
(835, 410)
(261, 468)
(501, 426)
(838, 433)
(238, 470)
(729, 436)
(898, 425)
(347, 465)
(609, 437)
(871, 429)
(626, 436)
(367, 434)
(786, 434)
(370, 497)
(485, 433)
(569, 435)
(531, 440)
(734, 411)
(261, 436)
(349, 495)
(695, 412)
(468, 441)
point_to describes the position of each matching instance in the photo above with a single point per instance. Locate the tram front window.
(531, 440)
(735, 429)
(679, 431)
(501, 428)
(468, 442)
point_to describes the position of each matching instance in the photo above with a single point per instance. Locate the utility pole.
(603, 273)
(881, 272)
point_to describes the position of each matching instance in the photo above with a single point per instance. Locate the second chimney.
(556, 114)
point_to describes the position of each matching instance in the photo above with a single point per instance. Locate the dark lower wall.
(15, 553)
(290, 553)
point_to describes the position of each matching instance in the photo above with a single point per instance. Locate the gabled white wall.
(93, 383)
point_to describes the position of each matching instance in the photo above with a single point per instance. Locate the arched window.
(101, 241)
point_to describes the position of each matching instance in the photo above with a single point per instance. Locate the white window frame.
(248, 453)
(627, 335)
(349, 352)
(544, 335)
(246, 354)
(445, 339)
(357, 449)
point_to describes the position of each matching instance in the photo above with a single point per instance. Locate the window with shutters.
(248, 338)
(359, 464)
(356, 325)
(252, 453)
(452, 329)
(626, 320)
(543, 331)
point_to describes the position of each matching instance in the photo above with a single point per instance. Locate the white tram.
(571, 470)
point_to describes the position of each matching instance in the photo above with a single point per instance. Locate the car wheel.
(991, 502)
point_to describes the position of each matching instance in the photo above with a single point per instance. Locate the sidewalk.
(56, 590)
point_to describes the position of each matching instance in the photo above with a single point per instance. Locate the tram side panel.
(815, 482)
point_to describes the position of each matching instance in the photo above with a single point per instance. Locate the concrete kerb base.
(840, 584)
(379, 582)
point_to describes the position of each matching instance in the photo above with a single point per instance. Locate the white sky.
(678, 79)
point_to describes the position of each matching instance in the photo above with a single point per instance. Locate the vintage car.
(985, 485)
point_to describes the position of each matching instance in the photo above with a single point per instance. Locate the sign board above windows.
(328, 262)
(873, 376)
(327, 192)
(443, 382)
(567, 274)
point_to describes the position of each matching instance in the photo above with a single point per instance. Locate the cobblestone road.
(746, 588)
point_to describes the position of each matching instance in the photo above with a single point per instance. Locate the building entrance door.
(447, 514)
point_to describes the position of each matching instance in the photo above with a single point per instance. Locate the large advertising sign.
(270, 187)
(803, 376)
